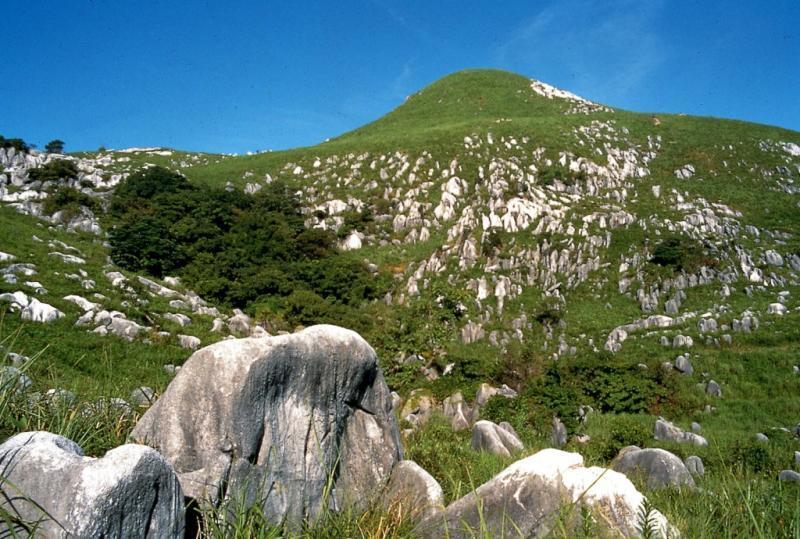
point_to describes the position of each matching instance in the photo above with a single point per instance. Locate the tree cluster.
(240, 250)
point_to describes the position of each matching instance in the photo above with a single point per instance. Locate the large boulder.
(298, 422)
(46, 481)
(525, 500)
(659, 468)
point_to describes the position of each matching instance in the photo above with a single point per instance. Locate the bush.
(54, 171)
(17, 143)
(619, 431)
(237, 249)
(680, 253)
(69, 201)
(54, 146)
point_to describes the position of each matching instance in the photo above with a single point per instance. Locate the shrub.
(69, 201)
(680, 253)
(54, 146)
(17, 143)
(618, 431)
(54, 171)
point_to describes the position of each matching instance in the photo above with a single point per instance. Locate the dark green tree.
(54, 146)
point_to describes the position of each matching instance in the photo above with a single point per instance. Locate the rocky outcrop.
(525, 500)
(48, 483)
(299, 422)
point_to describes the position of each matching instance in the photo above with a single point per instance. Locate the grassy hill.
(513, 228)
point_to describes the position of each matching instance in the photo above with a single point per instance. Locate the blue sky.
(240, 76)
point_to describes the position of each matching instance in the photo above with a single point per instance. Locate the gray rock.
(178, 318)
(696, 427)
(143, 396)
(558, 433)
(761, 437)
(683, 365)
(525, 500)
(789, 475)
(660, 468)
(797, 457)
(127, 329)
(14, 380)
(418, 408)
(288, 419)
(419, 494)
(695, 465)
(239, 324)
(130, 492)
(456, 410)
(713, 389)
(189, 341)
(667, 432)
(487, 436)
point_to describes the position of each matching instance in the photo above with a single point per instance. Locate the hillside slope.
(579, 253)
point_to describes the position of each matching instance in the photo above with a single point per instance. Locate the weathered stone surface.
(189, 341)
(660, 468)
(558, 433)
(525, 498)
(130, 492)
(456, 410)
(789, 475)
(121, 327)
(667, 432)
(284, 417)
(713, 389)
(418, 407)
(695, 465)
(419, 493)
(683, 365)
(487, 436)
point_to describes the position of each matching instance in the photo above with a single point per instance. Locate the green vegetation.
(255, 252)
(54, 171)
(17, 143)
(236, 249)
(54, 146)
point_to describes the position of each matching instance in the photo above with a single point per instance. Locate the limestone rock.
(130, 492)
(713, 389)
(290, 418)
(189, 341)
(487, 436)
(660, 468)
(789, 475)
(667, 432)
(456, 410)
(695, 465)
(558, 433)
(525, 499)
(419, 493)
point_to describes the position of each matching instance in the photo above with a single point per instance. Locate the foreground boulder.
(298, 422)
(525, 500)
(48, 483)
(659, 467)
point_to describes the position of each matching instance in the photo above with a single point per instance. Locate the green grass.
(740, 495)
